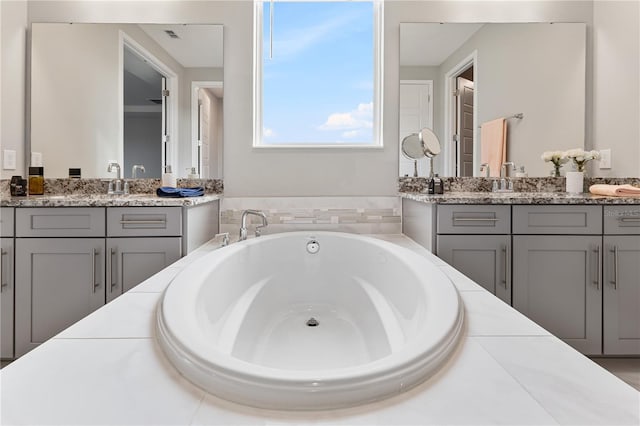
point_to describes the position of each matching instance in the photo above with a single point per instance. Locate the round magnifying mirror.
(412, 148)
(430, 143)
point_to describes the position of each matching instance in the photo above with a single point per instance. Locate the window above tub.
(318, 74)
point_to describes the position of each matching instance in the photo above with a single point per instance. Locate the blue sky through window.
(318, 87)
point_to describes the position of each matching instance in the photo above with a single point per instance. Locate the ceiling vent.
(171, 34)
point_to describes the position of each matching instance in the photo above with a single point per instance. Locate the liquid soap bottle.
(168, 178)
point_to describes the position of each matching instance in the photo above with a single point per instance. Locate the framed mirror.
(136, 94)
(455, 78)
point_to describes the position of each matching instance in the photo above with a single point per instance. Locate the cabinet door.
(621, 315)
(58, 282)
(483, 258)
(6, 298)
(132, 260)
(556, 283)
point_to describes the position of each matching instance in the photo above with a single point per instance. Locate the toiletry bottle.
(36, 180)
(521, 172)
(438, 185)
(431, 189)
(193, 174)
(168, 179)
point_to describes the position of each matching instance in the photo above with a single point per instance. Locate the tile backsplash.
(362, 215)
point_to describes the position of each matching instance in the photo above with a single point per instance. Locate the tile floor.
(627, 369)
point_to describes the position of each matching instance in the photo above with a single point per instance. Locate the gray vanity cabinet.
(557, 271)
(61, 281)
(621, 280)
(476, 241)
(6, 298)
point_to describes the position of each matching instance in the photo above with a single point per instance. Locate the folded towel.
(615, 190)
(493, 144)
(168, 191)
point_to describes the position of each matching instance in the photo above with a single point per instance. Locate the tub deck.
(108, 369)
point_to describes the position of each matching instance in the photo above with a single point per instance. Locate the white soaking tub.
(309, 320)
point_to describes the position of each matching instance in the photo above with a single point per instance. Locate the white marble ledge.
(108, 369)
(517, 198)
(104, 200)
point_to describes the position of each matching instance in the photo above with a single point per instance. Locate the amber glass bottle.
(36, 180)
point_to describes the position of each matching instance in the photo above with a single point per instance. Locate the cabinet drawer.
(6, 221)
(622, 220)
(557, 219)
(144, 221)
(474, 219)
(60, 222)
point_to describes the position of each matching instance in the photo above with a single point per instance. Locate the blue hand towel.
(168, 191)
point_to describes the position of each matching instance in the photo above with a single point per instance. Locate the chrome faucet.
(484, 167)
(505, 183)
(115, 186)
(134, 170)
(243, 225)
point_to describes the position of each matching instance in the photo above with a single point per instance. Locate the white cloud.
(360, 118)
(268, 133)
(350, 134)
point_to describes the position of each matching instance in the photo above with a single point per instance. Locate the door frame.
(450, 160)
(195, 86)
(170, 156)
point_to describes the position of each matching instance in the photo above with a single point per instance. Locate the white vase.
(575, 182)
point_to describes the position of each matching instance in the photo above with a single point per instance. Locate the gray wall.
(250, 172)
(142, 134)
(538, 70)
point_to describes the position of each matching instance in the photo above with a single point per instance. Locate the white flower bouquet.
(558, 158)
(580, 157)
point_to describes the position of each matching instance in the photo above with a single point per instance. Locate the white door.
(416, 112)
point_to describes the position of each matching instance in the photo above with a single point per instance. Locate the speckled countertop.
(517, 198)
(103, 200)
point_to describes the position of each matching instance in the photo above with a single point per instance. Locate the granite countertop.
(104, 200)
(517, 198)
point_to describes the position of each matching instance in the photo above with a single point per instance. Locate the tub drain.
(312, 322)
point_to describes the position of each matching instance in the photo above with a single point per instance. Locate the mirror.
(455, 78)
(149, 94)
(419, 145)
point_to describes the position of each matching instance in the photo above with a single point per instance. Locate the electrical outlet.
(9, 159)
(605, 158)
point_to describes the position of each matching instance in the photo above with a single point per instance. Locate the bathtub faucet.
(243, 226)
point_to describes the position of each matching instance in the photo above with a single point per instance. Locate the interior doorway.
(461, 150)
(207, 99)
(149, 115)
(464, 121)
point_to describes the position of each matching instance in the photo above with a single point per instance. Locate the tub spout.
(243, 225)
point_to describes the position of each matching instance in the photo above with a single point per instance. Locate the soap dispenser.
(168, 178)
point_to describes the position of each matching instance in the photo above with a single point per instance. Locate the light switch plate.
(9, 159)
(36, 159)
(605, 158)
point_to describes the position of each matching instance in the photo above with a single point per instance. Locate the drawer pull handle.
(598, 267)
(615, 267)
(94, 253)
(505, 251)
(629, 219)
(143, 222)
(113, 284)
(4, 283)
(475, 219)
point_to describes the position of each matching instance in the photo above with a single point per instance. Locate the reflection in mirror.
(147, 95)
(413, 149)
(456, 77)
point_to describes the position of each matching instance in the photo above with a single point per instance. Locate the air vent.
(171, 34)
